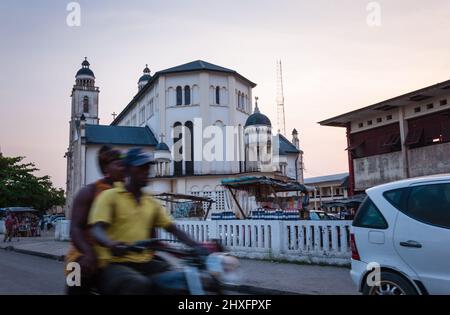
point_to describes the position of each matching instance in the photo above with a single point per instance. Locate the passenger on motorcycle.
(124, 215)
(81, 249)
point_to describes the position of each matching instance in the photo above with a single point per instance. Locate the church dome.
(257, 119)
(146, 76)
(162, 147)
(85, 71)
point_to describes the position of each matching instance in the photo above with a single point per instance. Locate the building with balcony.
(402, 137)
(326, 189)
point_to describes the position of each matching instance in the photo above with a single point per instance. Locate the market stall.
(26, 218)
(267, 192)
(186, 206)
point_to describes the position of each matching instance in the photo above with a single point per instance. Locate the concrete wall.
(378, 169)
(429, 160)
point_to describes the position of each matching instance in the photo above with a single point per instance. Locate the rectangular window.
(379, 120)
(430, 106)
(369, 122)
(384, 139)
(443, 102)
(389, 117)
(142, 115)
(360, 125)
(429, 129)
(414, 136)
(150, 109)
(417, 110)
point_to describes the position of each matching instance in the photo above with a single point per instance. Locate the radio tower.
(280, 100)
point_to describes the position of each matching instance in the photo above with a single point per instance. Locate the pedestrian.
(9, 225)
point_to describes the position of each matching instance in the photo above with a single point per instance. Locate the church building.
(196, 119)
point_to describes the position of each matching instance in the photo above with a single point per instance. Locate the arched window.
(85, 104)
(187, 95)
(189, 142)
(179, 95)
(217, 95)
(239, 100)
(178, 149)
(195, 95)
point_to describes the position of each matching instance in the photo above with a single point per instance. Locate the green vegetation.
(20, 187)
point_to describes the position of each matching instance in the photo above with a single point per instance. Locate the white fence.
(326, 242)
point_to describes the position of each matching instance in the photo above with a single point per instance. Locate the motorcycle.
(190, 271)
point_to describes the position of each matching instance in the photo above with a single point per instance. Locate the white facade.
(203, 98)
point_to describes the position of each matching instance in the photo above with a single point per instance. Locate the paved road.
(303, 279)
(26, 274)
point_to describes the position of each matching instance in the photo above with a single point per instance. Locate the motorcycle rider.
(124, 215)
(81, 249)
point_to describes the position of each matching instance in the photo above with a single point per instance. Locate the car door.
(422, 234)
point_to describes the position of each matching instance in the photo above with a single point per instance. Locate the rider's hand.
(117, 248)
(201, 250)
(88, 263)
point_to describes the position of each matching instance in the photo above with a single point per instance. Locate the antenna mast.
(280, 100)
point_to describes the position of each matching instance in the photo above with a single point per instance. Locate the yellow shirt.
(128, 222)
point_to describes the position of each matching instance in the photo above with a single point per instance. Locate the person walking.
(9, 226)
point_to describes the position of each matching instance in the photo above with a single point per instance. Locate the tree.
(20, 187)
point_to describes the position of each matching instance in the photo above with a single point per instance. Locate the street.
(26, 274)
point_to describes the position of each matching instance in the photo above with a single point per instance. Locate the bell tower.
(84, 111)
(85, 95)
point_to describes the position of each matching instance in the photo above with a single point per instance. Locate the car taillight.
(355, 254)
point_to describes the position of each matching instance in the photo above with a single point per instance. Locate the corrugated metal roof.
(120, 135)
(328, 178)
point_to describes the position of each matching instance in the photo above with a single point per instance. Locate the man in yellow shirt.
(124, 215)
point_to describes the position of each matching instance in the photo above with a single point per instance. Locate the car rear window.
(369, 216)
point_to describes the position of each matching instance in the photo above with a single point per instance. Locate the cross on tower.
(161, 136)
(114, 115)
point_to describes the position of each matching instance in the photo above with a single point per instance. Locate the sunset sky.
(333, 61)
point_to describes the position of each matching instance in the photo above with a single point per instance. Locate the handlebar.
(156, 244)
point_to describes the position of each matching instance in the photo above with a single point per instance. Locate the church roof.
(120, 135)
(198, 65)
(286, 146)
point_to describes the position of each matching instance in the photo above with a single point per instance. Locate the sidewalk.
(259, 277)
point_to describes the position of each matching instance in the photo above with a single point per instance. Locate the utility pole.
(280, 100)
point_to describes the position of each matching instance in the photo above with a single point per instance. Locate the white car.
(404, 228)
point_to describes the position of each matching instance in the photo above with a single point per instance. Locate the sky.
(334, 61)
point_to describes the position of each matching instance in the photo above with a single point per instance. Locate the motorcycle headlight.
(224, 267)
